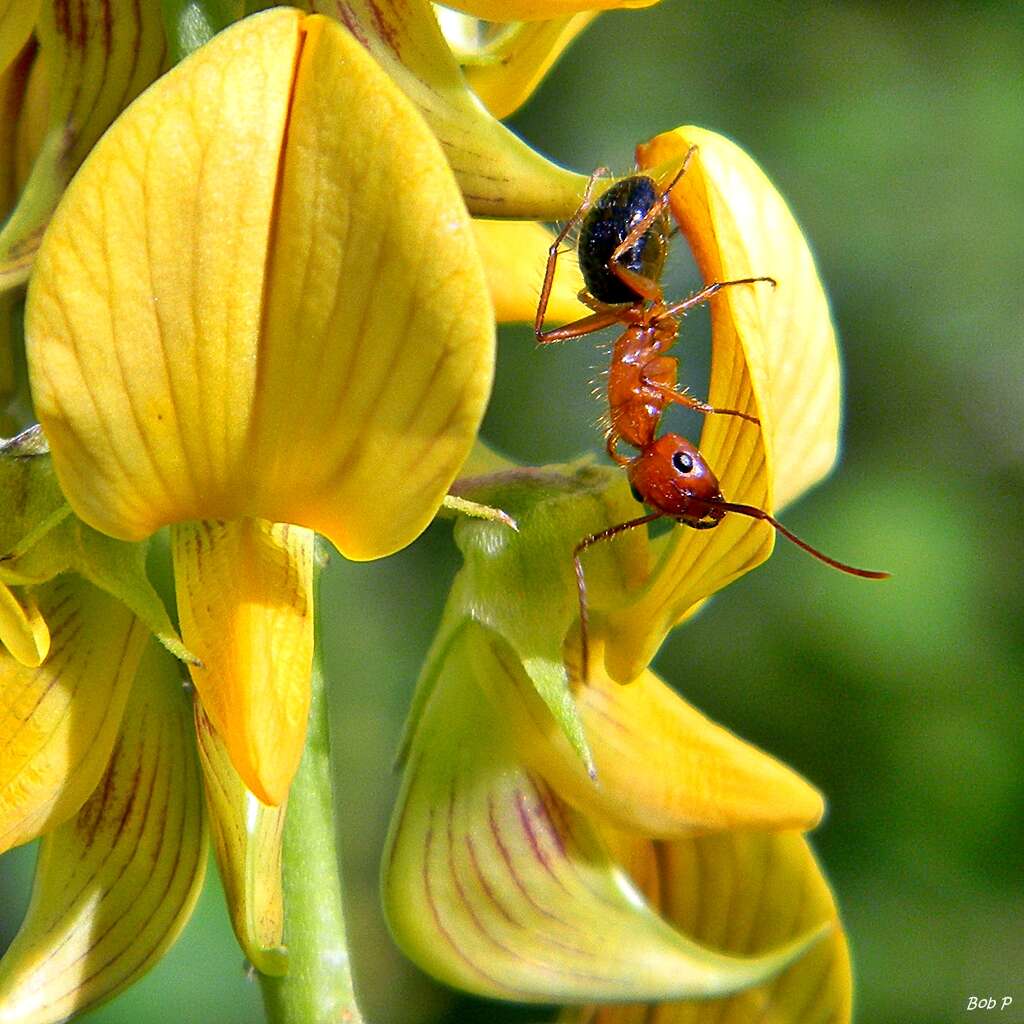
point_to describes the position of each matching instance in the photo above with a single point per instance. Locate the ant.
(623, 244)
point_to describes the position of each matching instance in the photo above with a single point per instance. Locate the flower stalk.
(318, 985)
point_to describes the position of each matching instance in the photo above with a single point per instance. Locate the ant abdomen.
(605, 227)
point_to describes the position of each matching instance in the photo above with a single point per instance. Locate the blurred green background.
(897, 134)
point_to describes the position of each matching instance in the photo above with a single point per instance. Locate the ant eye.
(683, 461)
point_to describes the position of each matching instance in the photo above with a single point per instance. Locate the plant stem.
(318, 987)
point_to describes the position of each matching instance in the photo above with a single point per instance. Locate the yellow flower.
(508, 866)
(236, 324)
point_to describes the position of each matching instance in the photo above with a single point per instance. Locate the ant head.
(672, 476)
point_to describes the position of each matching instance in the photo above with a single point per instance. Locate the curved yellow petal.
(513, 253)
(500, 176)
(245, 600)
(100, 55)
(742, 893)
(17, 18)
(494, 885)
(376, 313)
(529, 10)
(23, 629)
(272, 334)
(663, 769)
(58, 722)
(773, 355)
(247, 841)
(505, 74)
(115, 885)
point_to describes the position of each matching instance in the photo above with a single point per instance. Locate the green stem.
(318, 986)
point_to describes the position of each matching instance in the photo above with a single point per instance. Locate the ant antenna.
(759, 513)
(581, 582)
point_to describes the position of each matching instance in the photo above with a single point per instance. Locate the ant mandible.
(622, 248)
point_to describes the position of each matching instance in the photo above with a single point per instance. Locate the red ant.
(622, 247)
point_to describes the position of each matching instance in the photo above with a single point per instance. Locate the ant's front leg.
(553, 253)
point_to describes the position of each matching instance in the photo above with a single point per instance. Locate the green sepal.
(40, 537)
(521, 584)
(190, 24)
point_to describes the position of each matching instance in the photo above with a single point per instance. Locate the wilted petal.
(247, 841)
(58, 722)
(116, 884)
(494, 885)
(663, 769)
(17, 18)
(773, 355)
(505, 72)
(744, 893)
(100, 55)
(245, 599)
(236, 277)
(514, 252)
(500, 176)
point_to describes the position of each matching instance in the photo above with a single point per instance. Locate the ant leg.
(670, 394)
(581, 583)
(553, 253)
(578, 328)
(642, 285)
(712, 289)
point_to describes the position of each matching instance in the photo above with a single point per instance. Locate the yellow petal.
(245, 600)
(17, 17)
(663, 769)
(116, 884)
(528, 10)
(494, 885)
(58, 722)
(234, 284)
(23, 629)
(100, 54)
(505, 74)
(500, 176)
(13, 86)
(743, 893)
(514, 253)
(247, 842)
(376, 312)
(773, 355)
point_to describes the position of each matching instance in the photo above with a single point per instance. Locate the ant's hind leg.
(555, 249)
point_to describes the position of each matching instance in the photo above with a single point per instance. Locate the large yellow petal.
(505, 73)
(245, 599)
(100, 55)
(773, 355)
(143, 315)
(494, 885)
(663, 769)
(500, 176)
(247, 841)
(115, 885)
(58, 722)
(513, 253)
(742, 893)
(217, 332)
(376, 313)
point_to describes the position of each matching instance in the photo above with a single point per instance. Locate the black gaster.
(606, 226)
